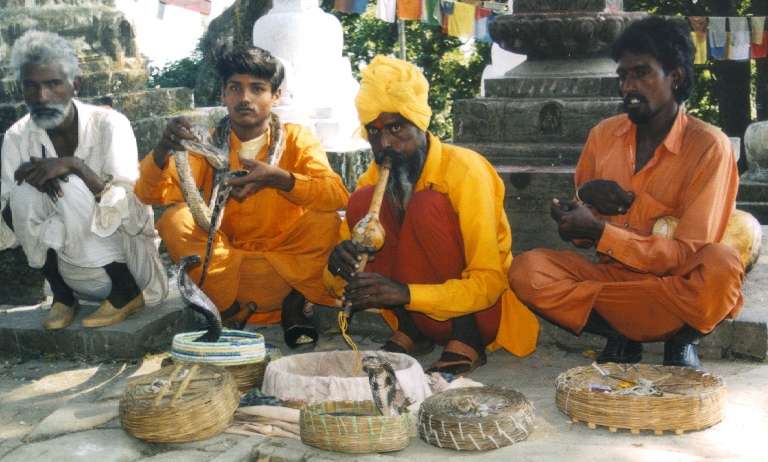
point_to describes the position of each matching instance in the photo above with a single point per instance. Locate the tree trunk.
(733, 89)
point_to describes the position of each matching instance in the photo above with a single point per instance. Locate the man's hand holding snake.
(260, 175)
(606, 196)
(176, 130)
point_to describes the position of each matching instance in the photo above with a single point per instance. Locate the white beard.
(47, 122)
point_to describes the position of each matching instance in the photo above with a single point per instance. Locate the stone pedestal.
(753, 188)
(319, 89)
(534, 119)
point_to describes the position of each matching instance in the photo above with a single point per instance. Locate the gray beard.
(402, 178)
(45, 121)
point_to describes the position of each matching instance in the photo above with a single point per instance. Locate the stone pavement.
(67, 409)
(59, 391)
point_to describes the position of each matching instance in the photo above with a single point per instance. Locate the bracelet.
(577, 195)
(99, 194)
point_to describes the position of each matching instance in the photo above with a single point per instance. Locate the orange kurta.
(647, 286)
(267, 244)
(476, 194)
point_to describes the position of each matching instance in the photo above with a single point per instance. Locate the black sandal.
(300, 335)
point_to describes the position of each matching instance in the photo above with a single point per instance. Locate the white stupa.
(319, 89)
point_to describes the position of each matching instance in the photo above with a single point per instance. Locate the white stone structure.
(319, 89)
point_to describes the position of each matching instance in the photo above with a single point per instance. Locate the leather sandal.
(472, 359)
(60, 315)
(300, 335)
(108, 315)
(408, 345)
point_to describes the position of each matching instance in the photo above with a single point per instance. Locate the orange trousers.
(564, 288)
(263, 277)
(427, 248)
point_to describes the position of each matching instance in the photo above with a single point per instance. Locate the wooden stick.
(374, 209)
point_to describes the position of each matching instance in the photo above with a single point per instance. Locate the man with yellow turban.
(440, 276)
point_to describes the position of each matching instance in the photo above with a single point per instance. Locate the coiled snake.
(216, 152)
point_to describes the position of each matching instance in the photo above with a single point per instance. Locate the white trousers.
(87, 236)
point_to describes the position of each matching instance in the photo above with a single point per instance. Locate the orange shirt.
(258, 222)
(692, 176)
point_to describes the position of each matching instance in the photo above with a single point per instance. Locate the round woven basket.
(354, 427)
(641, 397)
(179, 403)
(242, 353)
(318, 377)
(475, 418)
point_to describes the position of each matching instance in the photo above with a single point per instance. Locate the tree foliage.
(452, 67)
(181, 73)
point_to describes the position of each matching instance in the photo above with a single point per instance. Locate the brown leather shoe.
(107, 314)
(60, 316)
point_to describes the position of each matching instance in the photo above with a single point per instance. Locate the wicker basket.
(242, 353)
(353, 427)
(179, 403)
(673, 398)
(475, 418)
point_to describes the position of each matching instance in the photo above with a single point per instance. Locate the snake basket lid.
(179, 403)
(233, 348)
(641, 397)
(354, 427)
(475, 418)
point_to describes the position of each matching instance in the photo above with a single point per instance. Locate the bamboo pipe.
(370, 223)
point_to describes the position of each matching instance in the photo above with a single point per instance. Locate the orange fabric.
(273, 239)
(476, 194)
(692, 176)
(409, 9)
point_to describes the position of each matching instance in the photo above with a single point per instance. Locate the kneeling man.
(68, 171)
(652, 162)
(441, 274)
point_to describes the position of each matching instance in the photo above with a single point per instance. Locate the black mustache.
(38, 108)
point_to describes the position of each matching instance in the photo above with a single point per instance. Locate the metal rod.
(401, 35)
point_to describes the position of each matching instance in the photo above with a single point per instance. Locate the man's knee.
(520, 272)
(723, 263)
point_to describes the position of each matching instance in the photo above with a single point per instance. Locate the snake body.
(216, 152)
(199, 301)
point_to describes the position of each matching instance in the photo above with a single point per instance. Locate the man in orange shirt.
(651, 162)
(281, 220)
(441, 273)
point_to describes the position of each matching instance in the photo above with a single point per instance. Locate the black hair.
(230, 59)
(666, 39)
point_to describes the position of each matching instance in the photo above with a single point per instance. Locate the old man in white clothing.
(68, 171)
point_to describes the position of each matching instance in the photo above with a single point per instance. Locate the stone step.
(150, 331)
(534, 120)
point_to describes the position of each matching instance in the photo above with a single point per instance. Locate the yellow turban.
(393, 85)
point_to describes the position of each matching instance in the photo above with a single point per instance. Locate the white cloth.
(86, 235)
(386, 10)
(740, 38)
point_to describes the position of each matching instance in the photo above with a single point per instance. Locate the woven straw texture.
(475, 418)
(179, 403)
(234, 348)
(672, 398)
(353, 427)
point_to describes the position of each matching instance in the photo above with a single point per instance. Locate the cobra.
(215, 150)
